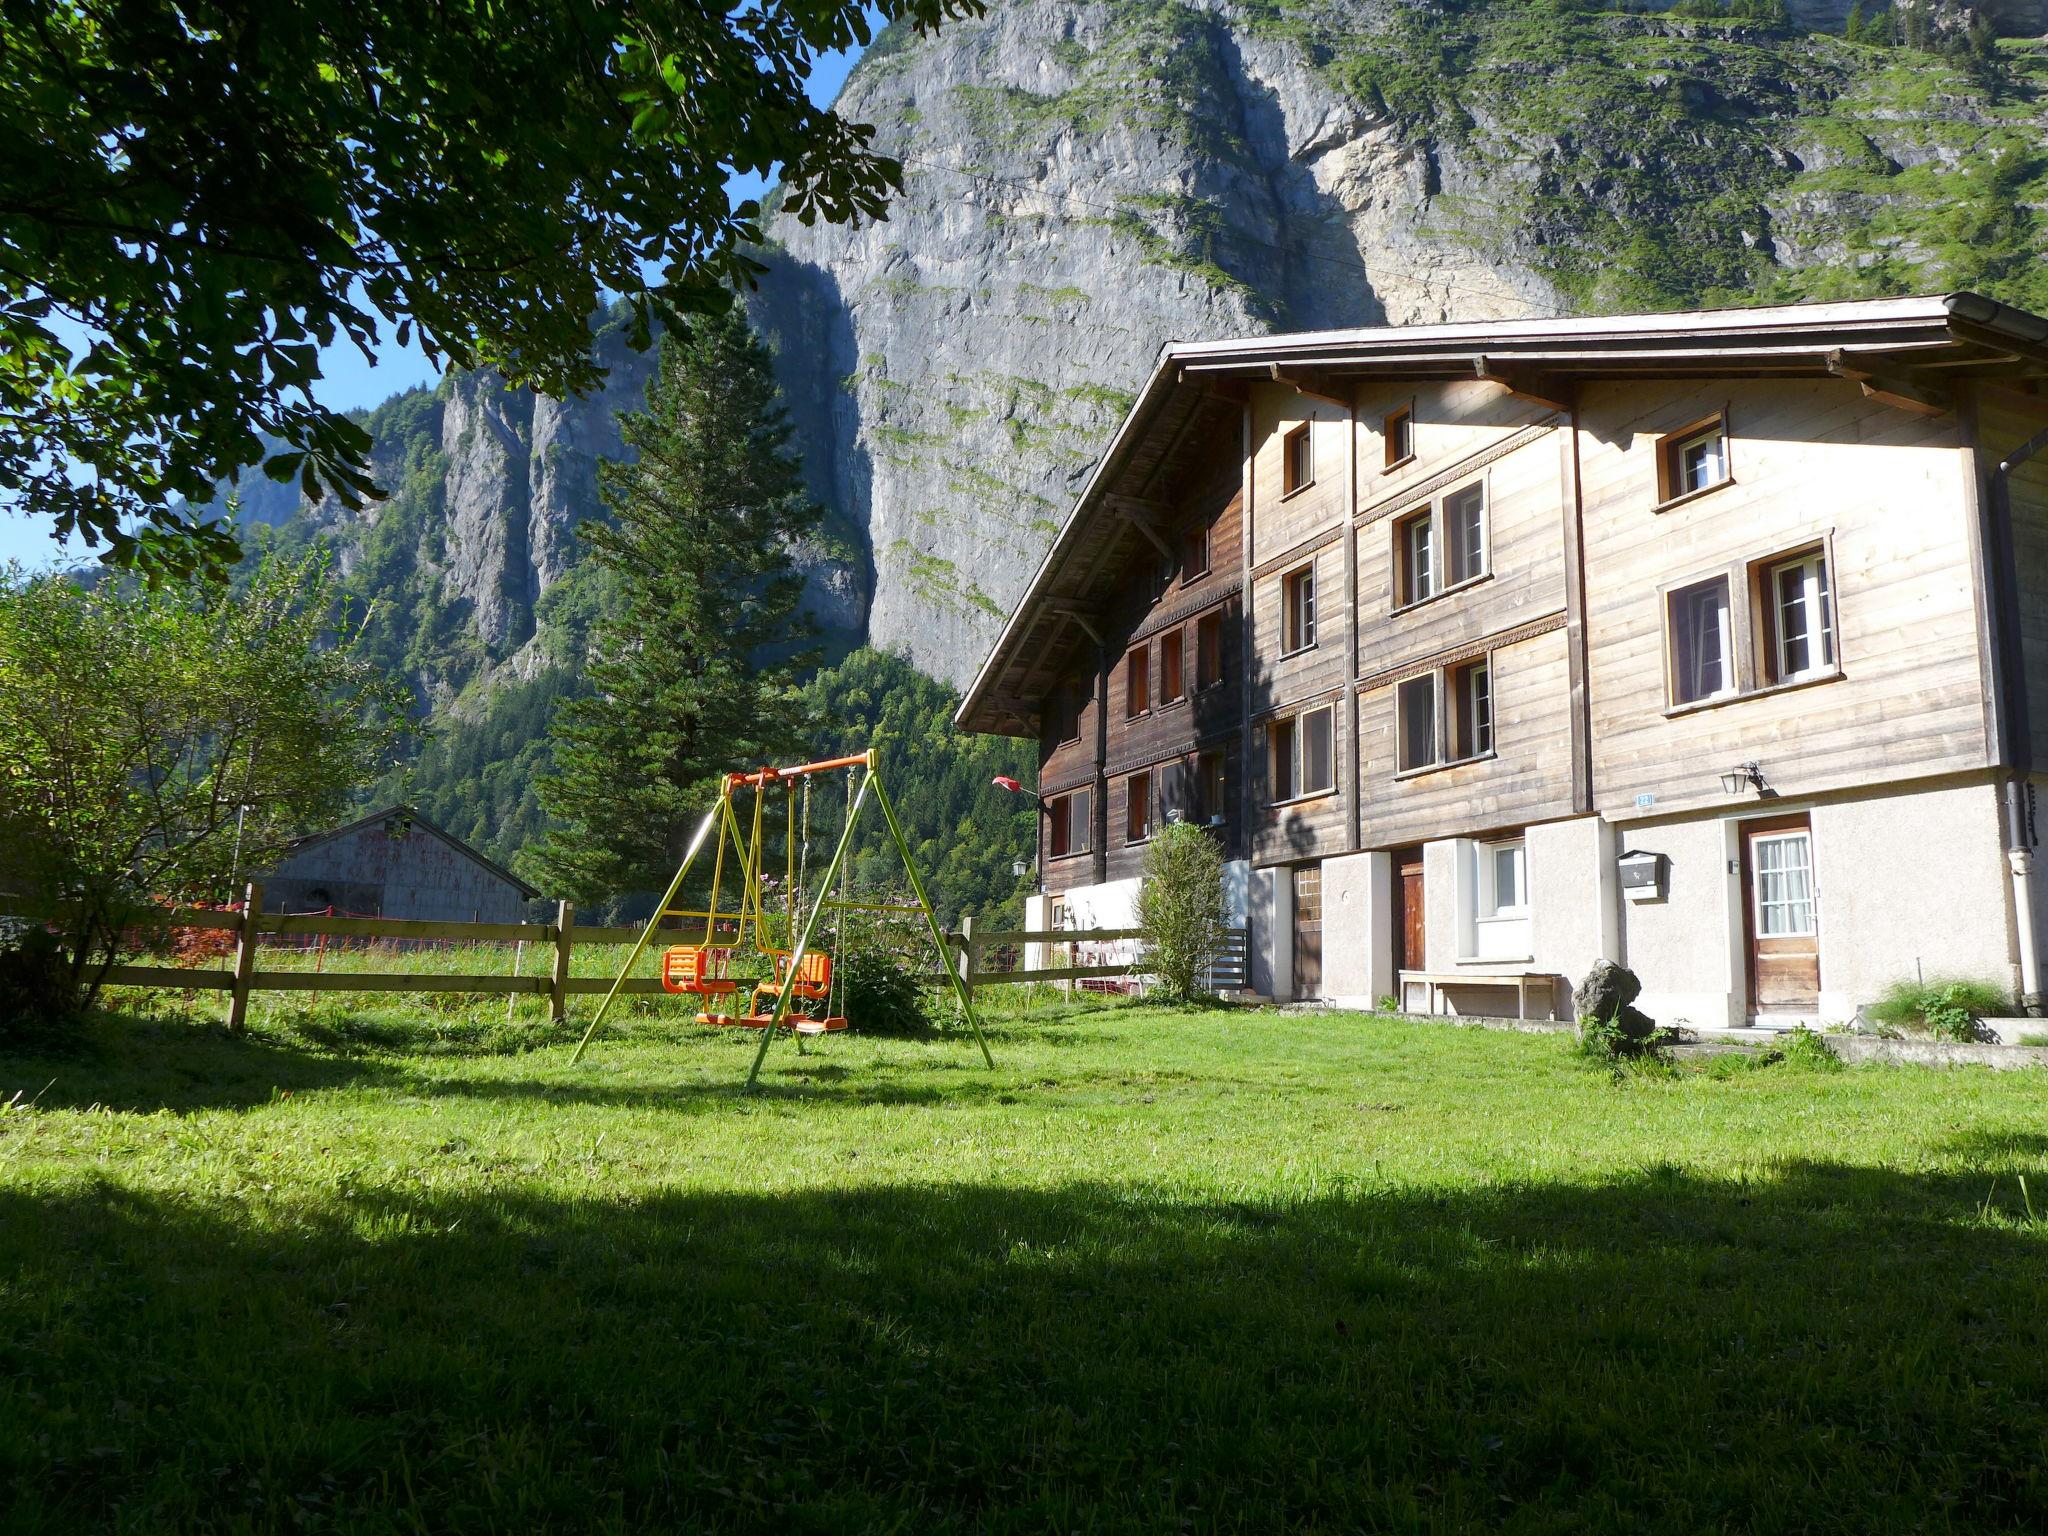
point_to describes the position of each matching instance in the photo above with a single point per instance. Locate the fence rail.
(968, 948)
(1228, 970)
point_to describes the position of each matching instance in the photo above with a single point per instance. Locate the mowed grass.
(1224, 1271)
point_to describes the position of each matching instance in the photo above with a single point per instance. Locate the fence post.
(558, 984)
(970, 956)
(245, 958)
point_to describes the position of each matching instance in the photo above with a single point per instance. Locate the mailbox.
(1644, 876)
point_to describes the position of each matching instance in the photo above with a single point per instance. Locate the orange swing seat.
(699, 969)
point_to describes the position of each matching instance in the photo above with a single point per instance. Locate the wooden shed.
(395, 863)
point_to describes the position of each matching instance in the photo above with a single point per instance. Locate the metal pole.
(696, 842)
(797, 955)
(930, 918)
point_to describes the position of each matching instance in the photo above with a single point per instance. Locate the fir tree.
(697, 657)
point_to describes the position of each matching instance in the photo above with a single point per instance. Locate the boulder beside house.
(395, 863)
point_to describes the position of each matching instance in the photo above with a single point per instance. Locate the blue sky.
(349, 380)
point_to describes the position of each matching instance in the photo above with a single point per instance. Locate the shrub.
(1615, 1039)
(1180, 910)
(1804, 1049)
(882, 964)
(1946, 1007)
(35, 983)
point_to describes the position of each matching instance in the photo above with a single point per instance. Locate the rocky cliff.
(1087, 181)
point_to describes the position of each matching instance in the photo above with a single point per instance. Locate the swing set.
(804, 980)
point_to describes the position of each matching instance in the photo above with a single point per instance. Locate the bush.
(1946, 1007)
(1615, 1039)
(35, 984)
(883, 963)
(1180, 910)
(1804, 1049)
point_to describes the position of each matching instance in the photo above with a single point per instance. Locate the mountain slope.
(1087, 181)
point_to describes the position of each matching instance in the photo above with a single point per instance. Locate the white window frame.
(1429, 570)
(1452, 545)
(1473, 722)
(1803, 836)
(1671, 452)
(1730, 683)
(1490, 905)
(1301, 579)
(1443, 729)
(1816, 605)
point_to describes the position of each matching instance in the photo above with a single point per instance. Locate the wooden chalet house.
(1715, 644)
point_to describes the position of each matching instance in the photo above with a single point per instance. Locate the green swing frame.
(720, 820)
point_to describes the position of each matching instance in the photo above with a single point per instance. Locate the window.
(1068, 815)
(1067, 721)
(1137, 807)
(1398, 431)
(1784, 885)
(1194, 553)
(1799, 628)
(1303, 753)
(1172, 662)
(1297, 460)
(1471, 710)
(1211, 789)
(1493, 900)
(1702, 648)
(1692, 460)
(1503, 880)
(1137, 682)
(1209, 650)
(1163, 573)
(1465, 533)
(1298, 601)
(1415, 721)
(1415, 553)
(1438, 547)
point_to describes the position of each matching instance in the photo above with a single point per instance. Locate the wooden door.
(1308, 931)
(1409, 950)
(1781, 905)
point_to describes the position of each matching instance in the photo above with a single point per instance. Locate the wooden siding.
(2005, 421)
(1810, 460)
(1284, 521)
(1524, 576)
(1451, 422)
(1527, 779)
(1167, 733)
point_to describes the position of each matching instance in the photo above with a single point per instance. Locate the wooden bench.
(1521, 981)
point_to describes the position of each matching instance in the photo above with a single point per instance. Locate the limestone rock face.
(1083, 183)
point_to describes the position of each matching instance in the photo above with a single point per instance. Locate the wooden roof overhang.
(1906, 351)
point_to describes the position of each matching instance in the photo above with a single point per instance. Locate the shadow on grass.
(1829, 1348)
(141, 1066)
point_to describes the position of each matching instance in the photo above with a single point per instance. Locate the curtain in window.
(1318, 758)
(1784, 885)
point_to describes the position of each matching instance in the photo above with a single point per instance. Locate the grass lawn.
(1232, 1271)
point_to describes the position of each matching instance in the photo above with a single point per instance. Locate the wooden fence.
(974, 953)
(1228, 971)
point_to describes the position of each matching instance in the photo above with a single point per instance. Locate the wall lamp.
(1743, 776)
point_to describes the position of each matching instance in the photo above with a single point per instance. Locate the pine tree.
(698, 652)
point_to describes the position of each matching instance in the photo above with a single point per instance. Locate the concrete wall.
(1911, 879)
(1358, 929)
(1270, 905)
(370, 873)
(1573, 915)
(1686, 946)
